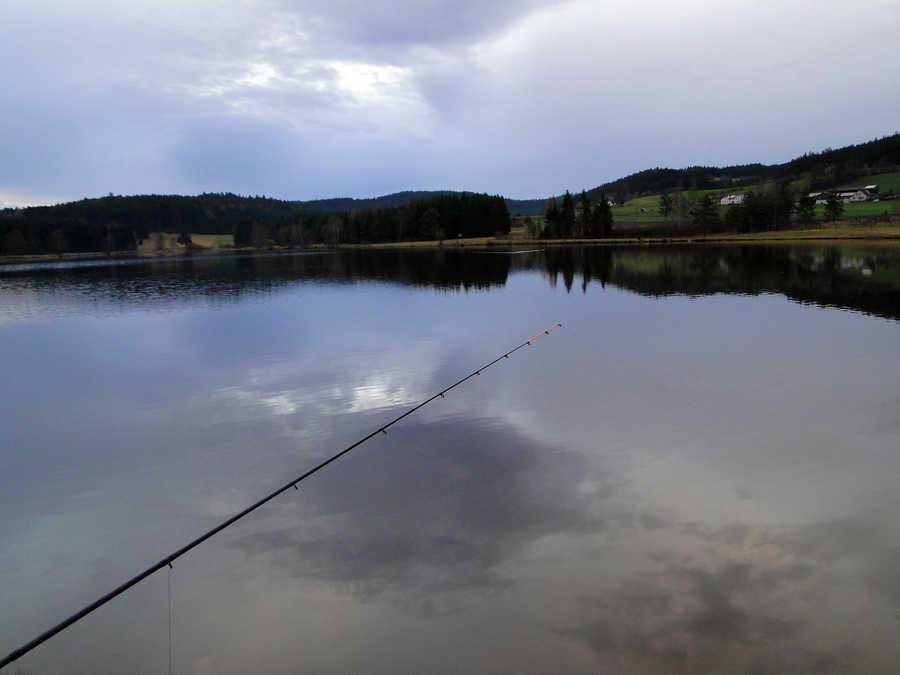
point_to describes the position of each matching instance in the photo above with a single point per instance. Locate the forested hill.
(116, 222)
(821, 170)
(341, 204)
(208, 213)
(201, 214)
(350, 204)
(121, 223)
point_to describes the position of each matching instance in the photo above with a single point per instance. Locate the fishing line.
(169, 577)
(172, 557)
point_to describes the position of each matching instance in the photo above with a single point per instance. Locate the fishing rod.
(172, 557)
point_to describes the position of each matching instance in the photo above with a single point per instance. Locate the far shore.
(881, 233)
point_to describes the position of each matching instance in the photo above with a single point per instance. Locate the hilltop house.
(731, 199)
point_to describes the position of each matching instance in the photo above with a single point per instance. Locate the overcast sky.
(303, 99)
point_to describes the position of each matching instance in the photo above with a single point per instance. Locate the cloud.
(434, 23)
(314, 99)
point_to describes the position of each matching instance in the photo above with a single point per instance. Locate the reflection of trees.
(228, 277)
(829, 276)
(826, 277)
(593, 263)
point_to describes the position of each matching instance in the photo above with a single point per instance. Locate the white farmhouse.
(853, 195)
(849, 195)
(731, 199)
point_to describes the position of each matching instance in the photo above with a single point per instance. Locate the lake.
(697, 473)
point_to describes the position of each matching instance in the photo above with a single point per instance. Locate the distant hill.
(209, 213)
(116, 223)
(820, 170)
(215, 213)
(341, 204)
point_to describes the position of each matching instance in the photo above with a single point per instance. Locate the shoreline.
(888, 234)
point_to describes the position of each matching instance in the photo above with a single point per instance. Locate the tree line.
(584, 219)
(121, 223)
(445, 216)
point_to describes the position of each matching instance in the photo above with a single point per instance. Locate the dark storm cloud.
(441, 513)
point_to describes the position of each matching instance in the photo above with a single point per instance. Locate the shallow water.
(697, 473)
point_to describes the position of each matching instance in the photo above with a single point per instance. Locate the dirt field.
(166, 243)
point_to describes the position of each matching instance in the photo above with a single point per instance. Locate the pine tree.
(552, 218)
(806, 209)
(834, 207)
(602, 218)
(706, 215)
(585, 223)
(567, 216)
(784, 204)
(666, 205)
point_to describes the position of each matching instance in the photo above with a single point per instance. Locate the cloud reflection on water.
(441, 513)
(674, 484)
(466, 513)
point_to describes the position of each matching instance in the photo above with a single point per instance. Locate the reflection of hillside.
(867, 280)
(864, 280)
(218, 279)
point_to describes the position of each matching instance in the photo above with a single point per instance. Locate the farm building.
(731, 199)
(849, 194)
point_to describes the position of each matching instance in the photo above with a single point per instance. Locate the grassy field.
(213, 240)
(159, 243)
(646, 209)
(166, 243)
(886, 182)
(863, 209)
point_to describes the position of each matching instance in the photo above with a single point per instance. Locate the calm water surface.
(698, 473)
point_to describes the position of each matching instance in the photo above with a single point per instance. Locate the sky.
(307, 99)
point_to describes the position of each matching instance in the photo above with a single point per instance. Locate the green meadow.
(886, 182)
